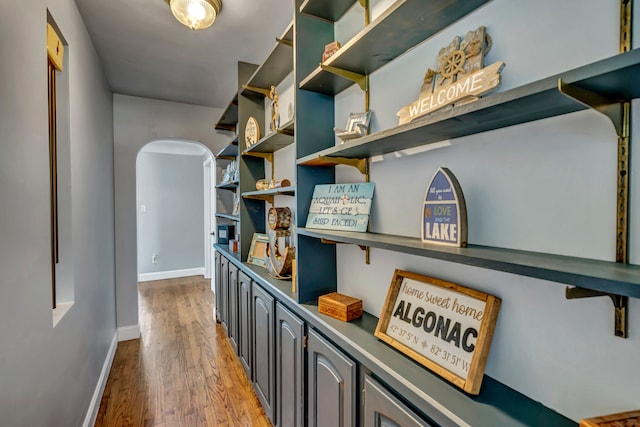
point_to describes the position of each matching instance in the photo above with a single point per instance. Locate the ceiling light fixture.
(195, 14)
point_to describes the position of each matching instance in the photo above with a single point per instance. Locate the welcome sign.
(444, 212)
(444, 326)
(341, 207)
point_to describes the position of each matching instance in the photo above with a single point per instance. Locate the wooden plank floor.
(182, 372)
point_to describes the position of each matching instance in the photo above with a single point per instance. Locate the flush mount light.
(195, 14)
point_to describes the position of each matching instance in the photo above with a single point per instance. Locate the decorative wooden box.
(624, 419)
(339, 306)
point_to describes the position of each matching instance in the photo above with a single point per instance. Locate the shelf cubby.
(330, 11)
(228, 216)
(616, 78)
(229, 117)
(228, 185)
(276, 67)
(269, 194)
(402, 26)
(229, 151)
(281, 138)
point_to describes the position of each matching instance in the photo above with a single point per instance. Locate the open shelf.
(402, 26)
(274, 141)
(610, 277)
(276, 67)
(269, 194)
(229, 117)
(329, 10)
(227, 216)
(616, 78)
(228, 185)
(230, 151)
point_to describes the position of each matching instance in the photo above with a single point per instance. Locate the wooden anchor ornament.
(279, 258)
(461, 76)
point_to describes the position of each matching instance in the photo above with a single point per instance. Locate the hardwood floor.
(182, 372)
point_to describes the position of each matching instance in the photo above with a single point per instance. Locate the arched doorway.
(173, 209)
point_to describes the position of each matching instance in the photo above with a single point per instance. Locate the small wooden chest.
(339, 306)
(626, 419)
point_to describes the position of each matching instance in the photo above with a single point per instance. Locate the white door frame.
(209, 217)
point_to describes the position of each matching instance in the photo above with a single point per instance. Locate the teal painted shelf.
(603, 276)
(616, 78)
(274, 141)
(402, 26)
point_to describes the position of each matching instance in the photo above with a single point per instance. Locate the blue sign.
(343, 207)
(444, 214)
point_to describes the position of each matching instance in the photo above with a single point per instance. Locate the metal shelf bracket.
(262, 91)
(360, 79)
(285, 42)
(620, 305)
(361, 164)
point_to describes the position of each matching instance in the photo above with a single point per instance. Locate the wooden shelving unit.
(402, 26)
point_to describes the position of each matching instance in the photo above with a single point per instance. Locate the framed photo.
(357, 126)
(258, 249)
(441, 325)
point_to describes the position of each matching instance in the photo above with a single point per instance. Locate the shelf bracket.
(360, 79)
(333, 242)
(222, 126)
(620, 115)
(267, 198)
(285, 42)
(262, 91)
(620, 305)
(361, 164)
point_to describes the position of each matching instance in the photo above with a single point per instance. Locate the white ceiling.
(146, 52)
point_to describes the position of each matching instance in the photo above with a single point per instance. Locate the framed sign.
(258, 250)
(341, 207)
(443, 326)
(444, 212)
(251, 132)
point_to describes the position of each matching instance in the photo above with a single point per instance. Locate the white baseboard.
(94, 405)
(172, 274)
(127, 333)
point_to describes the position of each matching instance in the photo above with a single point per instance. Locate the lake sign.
(444, 212)
(343, 207)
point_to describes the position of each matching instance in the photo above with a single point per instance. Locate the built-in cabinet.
(232, 310)
(331, 385)
(382, 409)
(307, 368)
(290, 342)
(264, 349)
(245, 348)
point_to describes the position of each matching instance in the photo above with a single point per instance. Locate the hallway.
(182, 372)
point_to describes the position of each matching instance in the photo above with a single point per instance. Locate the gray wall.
(171, 187)
(138, 121)
(48, 375)
(545, 186)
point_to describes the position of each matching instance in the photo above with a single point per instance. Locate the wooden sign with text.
(461, 76)
(444, 326)
(444, 212)
(341, 207)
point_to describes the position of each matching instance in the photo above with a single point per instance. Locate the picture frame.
(443, 326)
(357, 126)
(258, 250)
